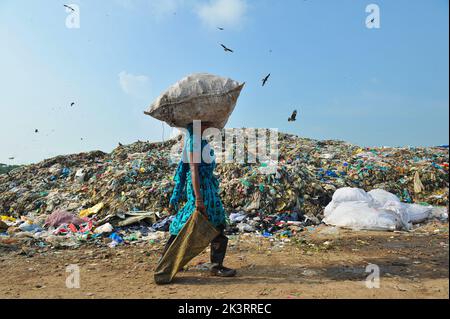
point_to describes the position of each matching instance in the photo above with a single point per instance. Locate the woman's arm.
(196, 185)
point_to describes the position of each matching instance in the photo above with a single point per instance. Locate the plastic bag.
(192, 239)
(91, 211)
(200, 96)
(59, 217)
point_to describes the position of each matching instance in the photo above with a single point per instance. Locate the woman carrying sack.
(198, 184)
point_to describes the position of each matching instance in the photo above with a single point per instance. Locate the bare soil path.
(314, 264)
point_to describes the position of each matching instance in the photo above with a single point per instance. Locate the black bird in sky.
(293, 116)
(373, 20)
(226, 49)
(221, 29)
(265, 79)
(36, 131)
(10, 158)
(69, 7)
(72, 104)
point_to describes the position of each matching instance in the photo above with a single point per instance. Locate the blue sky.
(373, 87)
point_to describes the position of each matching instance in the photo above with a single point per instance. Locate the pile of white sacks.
(375, 210)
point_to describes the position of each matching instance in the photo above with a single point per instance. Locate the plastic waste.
(116, 237)
(91, 211)
(105, 228)
(244, 227)
(163, 225)
(80, 175)
(29, 227)
(237, 217)
(59, 217)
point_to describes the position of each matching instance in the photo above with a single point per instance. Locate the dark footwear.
(222, 271)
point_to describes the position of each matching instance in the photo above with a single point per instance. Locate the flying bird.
(36, 131)
(69, 7)
(72, 104)
(226, 49)
(265, 79)
(293, 116)
(10, 158)
(221, 29)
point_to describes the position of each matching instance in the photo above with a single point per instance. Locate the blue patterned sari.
(209, 186)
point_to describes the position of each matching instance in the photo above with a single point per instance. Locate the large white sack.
(400, 210)
(347, 194)
(199, 96)
(350, 194)
(409, 213)
(360, 215)
(418, 213)
(439, 212)
(330, 208)
(380, 196)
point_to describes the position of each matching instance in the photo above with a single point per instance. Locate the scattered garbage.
(29, 227)
(115, 240)
(137, 217)
(129, 189)
(59, 217)
(91, 211)
(103, 229)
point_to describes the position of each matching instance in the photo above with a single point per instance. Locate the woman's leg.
(218, 251)
(219, 248)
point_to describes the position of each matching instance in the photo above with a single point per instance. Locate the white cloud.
(226, 13)
(134, 85)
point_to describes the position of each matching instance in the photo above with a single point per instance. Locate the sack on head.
(200, 96)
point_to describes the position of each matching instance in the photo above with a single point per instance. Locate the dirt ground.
(318, 263)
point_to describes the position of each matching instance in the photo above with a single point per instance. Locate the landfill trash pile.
(4, 169)
(122, 196)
